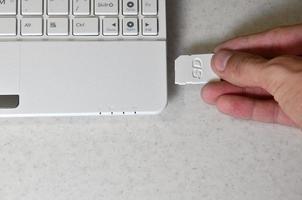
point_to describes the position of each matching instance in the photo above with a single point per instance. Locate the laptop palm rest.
(9, 75)
(82, 78)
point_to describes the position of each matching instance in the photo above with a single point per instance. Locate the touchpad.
(9, 73)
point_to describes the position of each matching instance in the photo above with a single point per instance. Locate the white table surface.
(190, 151)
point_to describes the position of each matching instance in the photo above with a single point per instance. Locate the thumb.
(241, 69)
(281, 77)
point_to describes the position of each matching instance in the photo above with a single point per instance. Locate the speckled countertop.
(190, 151)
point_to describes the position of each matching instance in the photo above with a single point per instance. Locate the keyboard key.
(150, 26)
(106, 7)
(149, 7)
(86, 26)
(8, 7)
(110, 27)
(130, 7)
(32, 7)
(57, 7)
(57, 26)
(130, 26)
(8, 26)
(81, 7)
(31, 26)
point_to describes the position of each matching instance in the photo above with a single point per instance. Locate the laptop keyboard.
(80, 18)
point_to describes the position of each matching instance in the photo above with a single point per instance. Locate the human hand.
(262, 76)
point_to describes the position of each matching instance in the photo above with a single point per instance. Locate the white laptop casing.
(70, 77)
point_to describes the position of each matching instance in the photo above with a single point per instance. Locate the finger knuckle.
(238, 65)
(290, 98)
(277, 75)
(273, 80)
(276, 32)
(281, 60)
(275, 70)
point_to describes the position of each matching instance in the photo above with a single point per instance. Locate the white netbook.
(82, 57)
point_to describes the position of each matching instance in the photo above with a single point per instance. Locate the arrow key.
(150, 26)
(110, 27)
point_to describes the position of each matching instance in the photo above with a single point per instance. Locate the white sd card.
(194, 69)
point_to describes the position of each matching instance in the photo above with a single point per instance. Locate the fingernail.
(221, 59)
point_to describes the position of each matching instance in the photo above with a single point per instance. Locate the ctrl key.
(86, 26)
(8, 26)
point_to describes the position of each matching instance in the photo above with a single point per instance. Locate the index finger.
(276, 42)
